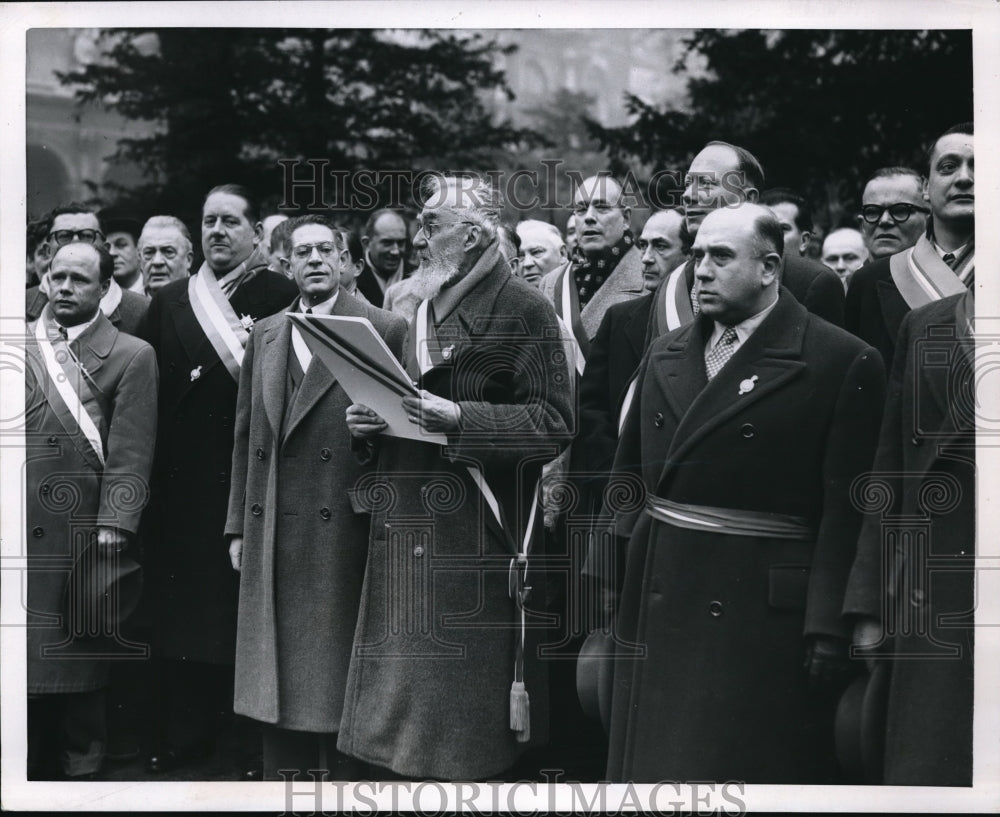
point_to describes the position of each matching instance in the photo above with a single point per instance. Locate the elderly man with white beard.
(441, 683)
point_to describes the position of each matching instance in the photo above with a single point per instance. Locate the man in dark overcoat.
(199, 327)
(441, 684)
(911, 591)
(90, 422)
(297, 541)
(747, 429)
(941, 263)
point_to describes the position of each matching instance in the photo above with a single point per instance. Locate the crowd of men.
(729, 466)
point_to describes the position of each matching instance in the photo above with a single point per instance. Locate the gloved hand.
(828, 666)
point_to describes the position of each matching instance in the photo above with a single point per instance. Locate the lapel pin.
(195, 373)
(246, 322)
(746, 386)
(446, 352)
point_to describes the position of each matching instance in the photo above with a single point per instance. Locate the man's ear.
(105, 286)
(752, 194)
(806, 236)
(627, 215)
(365, 240)
(772, 268)
(258, 233)
(563, 253)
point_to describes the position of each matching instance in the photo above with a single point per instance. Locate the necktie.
(949, 259)
(720, 353)
(63, 334)
(695, 306)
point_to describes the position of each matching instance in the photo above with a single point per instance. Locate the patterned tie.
(720, 353)
(695, 306)
(949, 259)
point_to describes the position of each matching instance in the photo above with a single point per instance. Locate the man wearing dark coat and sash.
(748, 427)
(298, 543)
(942, 262)
(199, 328)
(90, 422)
(443, 682)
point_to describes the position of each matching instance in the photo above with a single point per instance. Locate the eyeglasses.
(303, 251)
(428, 229)
(149, 253)
(64, 237)
(899, 212)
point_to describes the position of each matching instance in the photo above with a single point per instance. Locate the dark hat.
(859, 729)
(594, 676)
(102, 591)
(118, 221)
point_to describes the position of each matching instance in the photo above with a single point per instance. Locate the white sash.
(670, 297)
(566, 318)
(627, 404)
(218, 320)
(424, 362)
(64, 388)
(112, 298)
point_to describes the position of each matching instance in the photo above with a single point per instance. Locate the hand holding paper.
(432, 413)
(362, 422)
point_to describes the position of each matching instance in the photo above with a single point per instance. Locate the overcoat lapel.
(773, 353)
(893, 307)
(192, 337)
(624, 282)
(274, 369)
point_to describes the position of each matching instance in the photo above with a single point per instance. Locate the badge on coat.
(746, 386)
(195, 373)
(447, 351)
(246, 321)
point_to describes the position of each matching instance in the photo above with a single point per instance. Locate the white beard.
(427, 281)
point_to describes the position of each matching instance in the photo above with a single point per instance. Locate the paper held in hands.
(357, 356)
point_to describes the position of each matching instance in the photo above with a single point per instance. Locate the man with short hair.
(571, 235)
(90, 423)
(353, 265)
(269, 223)
(122, 237)
(844, 252)
(199, 327)
(893, 211)
(542, 248)
(385, 240)
(794, 215)
(298, 544)
(748, 428)
(164, 252)
(608, 269)
(452, 506)
(76, 222)
(37, 250)
(941, 263)
(723, 175)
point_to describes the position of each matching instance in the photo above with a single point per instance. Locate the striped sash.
(428, 354)
(922, 277)
(673, 307)
(70, 397)
(567, 304)
(218, 320)
(731, 521)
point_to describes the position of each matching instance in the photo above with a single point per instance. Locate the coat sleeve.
(825, 298)
(131, 437)
(241, 445)
(850, 448)
(597, 437)
(539, 412)
(867, 584)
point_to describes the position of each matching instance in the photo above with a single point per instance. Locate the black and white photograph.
(504, 406)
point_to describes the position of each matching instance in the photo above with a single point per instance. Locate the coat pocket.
(788, 586)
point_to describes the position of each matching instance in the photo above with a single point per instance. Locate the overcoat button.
(325, 513)
(325, 455)
(260, 453)
(658, 419)
(256, 509)
(53, 441)
(418, 551)
(38, 532)
(715, 608)
(747, 431)
(223, 477)
(44, 490)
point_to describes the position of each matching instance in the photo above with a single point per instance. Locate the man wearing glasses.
(297, 543)
(75, 222)
(916, 265)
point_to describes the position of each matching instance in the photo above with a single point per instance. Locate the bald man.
(747, 429)
(844, 252)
